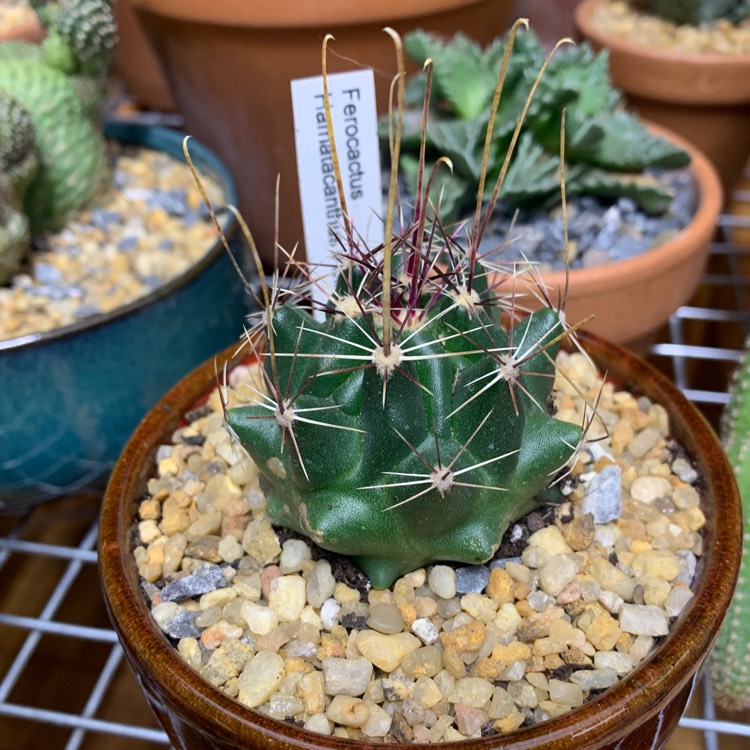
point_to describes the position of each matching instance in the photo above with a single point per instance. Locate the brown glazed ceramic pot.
(639, 712)
(631, 299)
(703, 97)
(229, 64)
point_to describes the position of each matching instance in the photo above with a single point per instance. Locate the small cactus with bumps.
(731, 653)
(60, 86)
(409, 419)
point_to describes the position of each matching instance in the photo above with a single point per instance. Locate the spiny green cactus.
(695, 12)
(53, 82)
(409, 425)
(607, 149)
(731, 654)
(18, 164)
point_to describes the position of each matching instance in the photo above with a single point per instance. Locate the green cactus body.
(430, 461)
(88, 27)
(60, 85)
(72, 153)
(18, 165)
(731, 653)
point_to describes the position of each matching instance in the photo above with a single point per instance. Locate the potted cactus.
(405, 431)
(729, 674)
(684, 65)
(65, 218)
(619, 171)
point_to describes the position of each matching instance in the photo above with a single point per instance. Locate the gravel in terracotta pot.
(229, 65)
(631, 299)
(703, 96)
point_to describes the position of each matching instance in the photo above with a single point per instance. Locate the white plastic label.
(354, 115)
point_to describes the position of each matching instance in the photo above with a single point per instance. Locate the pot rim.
(691, 240)
(294, 14)
(155, 138)
(583, 13)
(609, 715)
(693, 66)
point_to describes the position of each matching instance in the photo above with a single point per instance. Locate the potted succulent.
(273, 44)
(408, 428)
(682, 65)
(627, 184)
(70, 249)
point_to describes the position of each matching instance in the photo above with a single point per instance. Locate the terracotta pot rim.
(661, 258)
(703, 60)
(295, 13)
(639, 694)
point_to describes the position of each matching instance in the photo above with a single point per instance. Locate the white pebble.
(643, 619)
(330, 614)
(320, 584)
(677, 598)
(620, 662)
(287, 597)
(260, 619)
(442, 581)
(649, 489)
(346, 676)
(425, 630)
(294, 552)
(260, 678)
(319, 723)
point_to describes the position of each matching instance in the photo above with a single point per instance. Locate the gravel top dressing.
(620, 18)
(575, 598)
(150, 228)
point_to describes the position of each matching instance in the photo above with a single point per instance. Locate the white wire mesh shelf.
(63, 680)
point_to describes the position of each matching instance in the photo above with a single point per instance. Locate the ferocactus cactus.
(60, 85)
(409, 425)
(731, 654)
(695, 12)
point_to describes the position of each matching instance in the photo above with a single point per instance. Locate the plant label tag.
(355, 129)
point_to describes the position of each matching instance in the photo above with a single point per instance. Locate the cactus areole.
(429, 457)
(406, 424)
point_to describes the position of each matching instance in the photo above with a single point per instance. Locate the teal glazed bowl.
(70, 397)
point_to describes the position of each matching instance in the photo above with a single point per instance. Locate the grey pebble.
(472, 579)
(182, 625)
(207, 577)
(603, 498)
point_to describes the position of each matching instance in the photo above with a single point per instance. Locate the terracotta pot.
(703, 97)
(641, 711)
(229, 64)
(549, 21)
(135, 63)
(631, 299)
(29, 30)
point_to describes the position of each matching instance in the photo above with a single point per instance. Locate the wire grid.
(67, 568)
